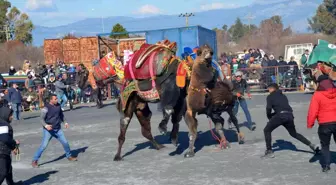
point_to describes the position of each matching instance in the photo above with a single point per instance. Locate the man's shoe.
(253, 126)
(35, 164)
(315, 148)
(268, 154)
(326, 169)
(72, 158)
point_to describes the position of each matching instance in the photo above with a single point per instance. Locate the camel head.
(205, 52)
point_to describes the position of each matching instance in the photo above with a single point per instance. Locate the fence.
(258, 78)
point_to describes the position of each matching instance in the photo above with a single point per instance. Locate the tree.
(20, 25)
(69, 36)
(237, 30)
(215, 29)
(4, 5)
(225, 27)
(324, 20)
(118, 28)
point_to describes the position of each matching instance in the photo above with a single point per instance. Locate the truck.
(296, 50)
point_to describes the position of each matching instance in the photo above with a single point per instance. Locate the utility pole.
(249, 17)
(187, 15)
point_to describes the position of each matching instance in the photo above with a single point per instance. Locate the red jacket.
(322, 107)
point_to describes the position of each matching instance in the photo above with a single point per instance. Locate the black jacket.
(278, 102)
(7, 143)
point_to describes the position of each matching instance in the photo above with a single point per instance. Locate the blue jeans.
(62, 99)
(243, 105)
(47, 135)
(16, 107)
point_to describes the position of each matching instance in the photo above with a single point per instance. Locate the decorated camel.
(150, 76)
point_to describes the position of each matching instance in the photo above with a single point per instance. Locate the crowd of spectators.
(263, 69)
(68, 82)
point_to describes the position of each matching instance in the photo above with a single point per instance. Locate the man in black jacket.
(282, 115)
(7, 144)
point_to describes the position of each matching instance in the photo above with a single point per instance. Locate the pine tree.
(237, 30)
(118, 28)
(324, 20)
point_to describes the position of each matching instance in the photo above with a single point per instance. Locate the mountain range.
(294, 13)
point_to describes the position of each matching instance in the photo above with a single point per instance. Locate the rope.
(18, 153)
(214, 135)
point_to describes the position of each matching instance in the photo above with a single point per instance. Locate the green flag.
(324, 52)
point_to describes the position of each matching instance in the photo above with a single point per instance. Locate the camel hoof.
(174, 142)
(159, 147)
(189, 154)
(226, 146)
(117, 158)
(163, 130)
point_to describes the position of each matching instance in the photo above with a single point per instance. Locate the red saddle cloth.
(142, 72)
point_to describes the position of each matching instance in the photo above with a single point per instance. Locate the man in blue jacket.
(7, 144)
(52, 117)
(15, 99)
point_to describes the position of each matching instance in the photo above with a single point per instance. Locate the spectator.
(304, 57)
(60, 89)
(3, 82)
(292, 62)
(11, 71)
(82, 77)
(31, 98)
(234, 64)
(283, 68)
(29, 82)
(271, 70)
(254, 75)
(15, 100)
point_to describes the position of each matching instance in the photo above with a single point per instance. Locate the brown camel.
(220, 98)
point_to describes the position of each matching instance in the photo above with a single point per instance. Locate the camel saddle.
(148, 55)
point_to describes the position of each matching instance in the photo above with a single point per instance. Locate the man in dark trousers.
(282, 116)
(7, 144)
(15, 99)
(52, 117)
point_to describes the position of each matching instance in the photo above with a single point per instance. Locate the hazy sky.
(60, 12)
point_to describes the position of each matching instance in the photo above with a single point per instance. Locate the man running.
(282, 116)
(51, 118)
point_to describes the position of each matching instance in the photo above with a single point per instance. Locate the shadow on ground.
(38, 178)
(203, 139)
(286, 145)
(74, 153)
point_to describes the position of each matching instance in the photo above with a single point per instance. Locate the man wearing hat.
(282, 116)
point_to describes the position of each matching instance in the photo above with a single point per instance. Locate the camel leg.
(190, 119)
(125, 119)
(163, 124)
(144, 115)
(234, 120)
(219, 122)
(179, 111)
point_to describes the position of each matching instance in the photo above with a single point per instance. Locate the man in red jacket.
(323, 108)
